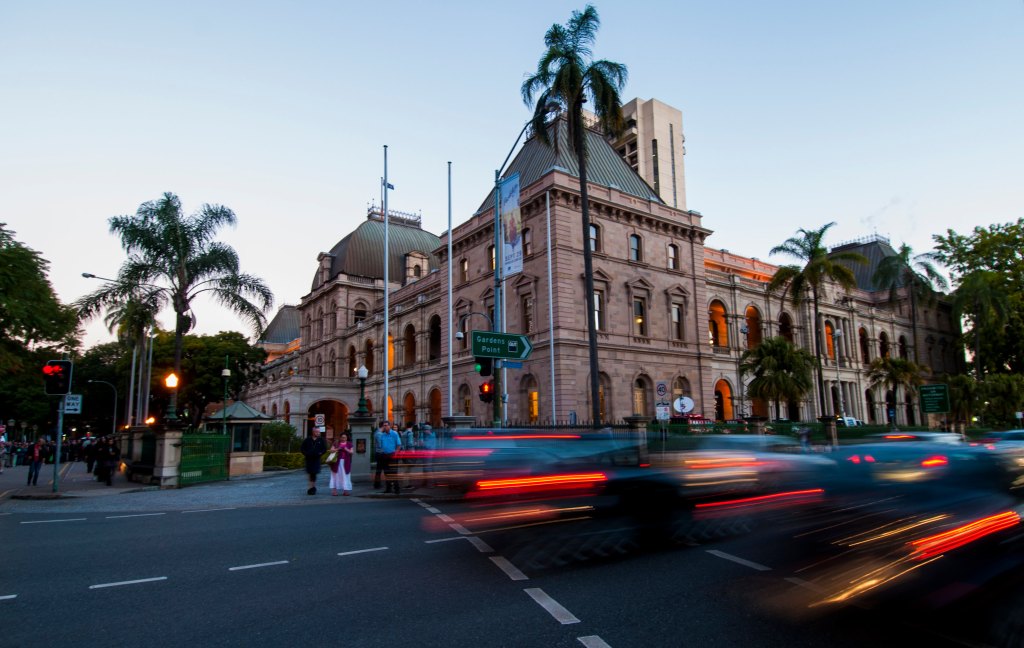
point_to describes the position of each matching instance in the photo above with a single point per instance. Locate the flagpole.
(450, 315)
(387, 285)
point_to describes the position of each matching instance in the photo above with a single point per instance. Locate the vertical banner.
(511, 225)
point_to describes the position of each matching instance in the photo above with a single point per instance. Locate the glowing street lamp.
(362, 373)
(172, 383)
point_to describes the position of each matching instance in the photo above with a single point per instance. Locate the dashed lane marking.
(130, 582)
(52, 521)
(114, 517)
(444, 517)
(738, 560)
(553, 607)
(432, 509)
(510, 570)
(8, 597)
(359, 551)
(799, 582)
(480, 545)
(257, 565)
(593, 641)
(460, 529)
(209, 510)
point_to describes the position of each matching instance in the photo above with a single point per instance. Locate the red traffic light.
(487, 391)
(57, 377)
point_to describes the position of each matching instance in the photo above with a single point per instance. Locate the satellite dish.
(683, 404)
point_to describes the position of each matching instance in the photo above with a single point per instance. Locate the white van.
(847, 421)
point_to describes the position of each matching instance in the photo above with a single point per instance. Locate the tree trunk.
(817, 351)
(588, 267)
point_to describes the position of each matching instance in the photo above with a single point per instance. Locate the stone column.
(168, 458)
(361, 429)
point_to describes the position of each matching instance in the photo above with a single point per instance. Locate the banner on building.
(511, 226)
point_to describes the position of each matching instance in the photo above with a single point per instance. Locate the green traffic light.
(477, 367)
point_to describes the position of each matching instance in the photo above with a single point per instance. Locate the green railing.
(204, 458)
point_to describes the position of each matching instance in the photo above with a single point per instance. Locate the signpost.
(934, 398)
(507, 346)
(73, 404)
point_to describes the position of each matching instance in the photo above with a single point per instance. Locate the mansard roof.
(605, 166)
(361, 253)
(874, 248)
(284, 328)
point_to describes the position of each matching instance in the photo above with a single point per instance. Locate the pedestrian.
(313, 447)
(341, 468)
(804, 433)
(3, 452)
(387, 443)
(35, 457)
(111, 459)
(90, 455)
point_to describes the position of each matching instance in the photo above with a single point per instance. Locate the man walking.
(313, 447)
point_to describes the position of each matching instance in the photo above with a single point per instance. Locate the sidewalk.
(79, 491)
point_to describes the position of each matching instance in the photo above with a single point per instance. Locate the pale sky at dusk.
(898, 118)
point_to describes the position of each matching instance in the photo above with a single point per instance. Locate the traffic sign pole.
(60, 433)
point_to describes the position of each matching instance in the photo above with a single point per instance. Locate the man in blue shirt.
(387, 442)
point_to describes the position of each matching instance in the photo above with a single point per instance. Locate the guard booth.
(242, 425)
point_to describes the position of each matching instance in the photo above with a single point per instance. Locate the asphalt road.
(363, 571)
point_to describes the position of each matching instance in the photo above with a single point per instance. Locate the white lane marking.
(510, 570)
(208, 510)
(416, 499)
(49, 521)
(445, 539)
(114, 517)
(444, 517)
(805, 584)
(131, 582)
(461, 529)
(359, 551)
(240, 567)
(738, 560)
(593, 641)
(8, 597)
(561, 615)
(480, 545)
(432, 509)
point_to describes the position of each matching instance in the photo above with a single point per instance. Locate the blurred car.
(1009, 438)
(928, 437)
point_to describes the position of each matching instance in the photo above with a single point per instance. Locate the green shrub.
(283, 460)
(278, 436)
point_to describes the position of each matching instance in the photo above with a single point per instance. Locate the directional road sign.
(509, 346)
(934, 398)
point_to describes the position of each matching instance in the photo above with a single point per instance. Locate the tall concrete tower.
(653, 144)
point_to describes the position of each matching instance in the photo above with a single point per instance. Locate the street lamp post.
(362, 373)
(172, 384)
(113, 422)
(225, 374)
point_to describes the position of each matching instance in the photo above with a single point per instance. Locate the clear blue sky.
(898, 118)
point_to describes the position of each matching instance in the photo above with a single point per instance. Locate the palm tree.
(781, 370)
(894, 373)
(818, 267)
(172, 259)
(981, 299)
(915, 273)
(567, 76)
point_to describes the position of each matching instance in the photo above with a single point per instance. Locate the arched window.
(527, 242)
(416, 271)
(752, 321)
(883, 344)
(409, 340)
(636, 248)
(368, 357)
(865, 346)
(723, 401)
(673, 257)
(830, 341)
(717, 329)
(903, 347)
(332, 364)
(409, 409)
(318, 365)
(786, 327)
(391, 352)
(352, 360)
(360, 312)
(641, 400)
(463, 270)
(434, 344)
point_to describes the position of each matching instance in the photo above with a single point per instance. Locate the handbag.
(330, 457)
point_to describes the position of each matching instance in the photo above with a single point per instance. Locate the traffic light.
(484, 366)
(57, 377)
(487, 391)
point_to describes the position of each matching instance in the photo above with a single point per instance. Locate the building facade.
(673, 316)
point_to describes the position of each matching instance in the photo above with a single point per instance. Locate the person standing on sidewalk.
(387, 442)
(341, 469)
(35, 457)
(313, 447)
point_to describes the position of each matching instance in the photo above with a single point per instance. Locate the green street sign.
(507, 346)
(934, 398)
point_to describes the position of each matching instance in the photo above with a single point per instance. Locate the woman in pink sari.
(341, 470)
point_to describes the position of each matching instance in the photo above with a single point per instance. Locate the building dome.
(361, 252)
